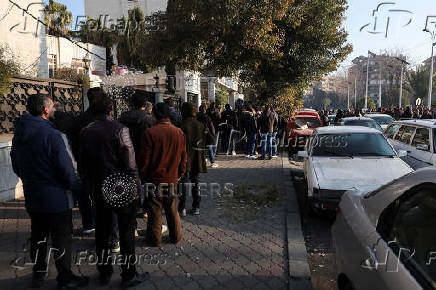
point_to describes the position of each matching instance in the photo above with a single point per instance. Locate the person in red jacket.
(162, 163)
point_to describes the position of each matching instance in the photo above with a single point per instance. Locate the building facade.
(383, 74)
(116, 9)
(23, 37)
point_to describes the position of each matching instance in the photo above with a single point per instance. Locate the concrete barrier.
(10, 185)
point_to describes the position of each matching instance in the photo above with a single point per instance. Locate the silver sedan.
(386, 239)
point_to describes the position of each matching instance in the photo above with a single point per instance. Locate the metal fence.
(13, 103)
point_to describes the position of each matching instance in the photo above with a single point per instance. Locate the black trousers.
(190, 182)
(59, 226)
(87, 210)
(126, 218)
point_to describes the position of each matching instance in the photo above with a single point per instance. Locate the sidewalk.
(233, 244)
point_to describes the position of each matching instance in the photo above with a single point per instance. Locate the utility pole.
(403, 62)
(433, 43)
(379, 87)
(355, 92)
(367, 81)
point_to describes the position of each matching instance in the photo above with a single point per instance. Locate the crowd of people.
(408, 112)
(64, 161)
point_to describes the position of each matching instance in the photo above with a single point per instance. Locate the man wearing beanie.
(162, 162)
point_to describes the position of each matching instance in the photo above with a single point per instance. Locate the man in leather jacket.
(106, 148)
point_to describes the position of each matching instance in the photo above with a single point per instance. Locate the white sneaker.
(164, 229)
(247, 156)
(88, 231)
(214, 165)
(274, 156)
(253, 157)
(233, 153)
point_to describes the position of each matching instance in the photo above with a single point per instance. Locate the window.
(348, 145)
(422, 136)
(405, 134)
(392, 130)
(407, 225)
(52, 64)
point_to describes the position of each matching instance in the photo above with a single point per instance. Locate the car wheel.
(344, 283)
(348, 286)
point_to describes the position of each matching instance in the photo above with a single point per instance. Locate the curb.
(299, 271)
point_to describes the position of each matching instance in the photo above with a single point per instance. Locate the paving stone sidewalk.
(232, 244)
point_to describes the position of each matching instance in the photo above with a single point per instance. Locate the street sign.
(418, 102)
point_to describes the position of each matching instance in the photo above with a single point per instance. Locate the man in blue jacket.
(41, 159)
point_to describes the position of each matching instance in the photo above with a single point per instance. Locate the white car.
(418, 138)
(384, 120)
(347, 157)
(385, 239)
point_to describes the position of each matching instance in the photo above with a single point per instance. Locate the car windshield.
(364, 123)
(382, 120)
(308, 121)
(350, 145)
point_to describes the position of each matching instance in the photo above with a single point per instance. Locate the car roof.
(376, 201)
(357, 119)
(346, 130)
(378, 115)
(423, 123)
(306, 116)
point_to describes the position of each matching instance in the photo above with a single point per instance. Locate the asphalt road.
(317, 236)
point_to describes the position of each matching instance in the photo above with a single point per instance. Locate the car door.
(390, 133)
(421, 146)
(406, 253)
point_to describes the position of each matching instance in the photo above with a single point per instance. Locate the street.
(316, 230)
(233, 244)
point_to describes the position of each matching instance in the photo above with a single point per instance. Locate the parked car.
(340, 158)
(417, 137)
(361, 121)
(386, 239)
(300, 128)
(332, 119)
(383, 120)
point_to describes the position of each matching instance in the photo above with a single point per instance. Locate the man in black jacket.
(106, 149)
(228, 121)
(139, 119)
(249, 124)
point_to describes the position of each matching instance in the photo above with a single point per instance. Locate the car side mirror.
(303, 154)
(423, 147)
(402, 153)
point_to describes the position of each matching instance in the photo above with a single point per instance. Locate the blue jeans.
(212, 154)
(266, 141)
(251, 144)
(274, 143)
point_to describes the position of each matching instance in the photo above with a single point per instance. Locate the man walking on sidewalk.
(195, 148)
(40, 158)
(250, 127)
(162, 162)
(266, 126)
(106, 149)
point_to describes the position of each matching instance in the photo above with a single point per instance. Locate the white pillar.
(211, 90)
(233, 98)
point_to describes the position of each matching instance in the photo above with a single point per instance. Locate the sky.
(402, 36)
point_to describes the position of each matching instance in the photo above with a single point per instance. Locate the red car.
(299, 128)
